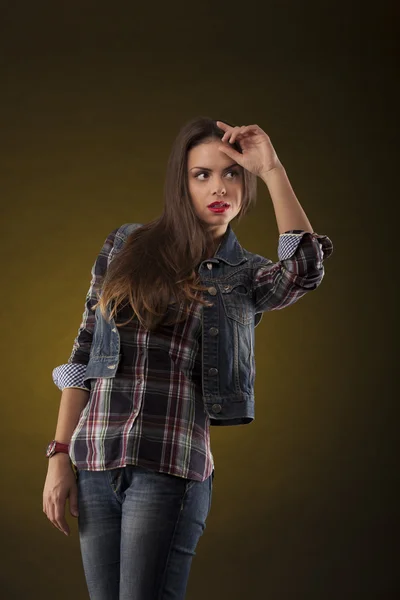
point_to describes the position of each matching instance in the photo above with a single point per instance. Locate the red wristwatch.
(55, 447)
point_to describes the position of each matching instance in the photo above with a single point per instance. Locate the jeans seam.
(115, 491)
(211, 490)
(188, 486)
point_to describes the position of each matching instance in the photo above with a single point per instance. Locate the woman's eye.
(204, 173)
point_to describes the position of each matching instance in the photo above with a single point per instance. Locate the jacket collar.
(229, 250)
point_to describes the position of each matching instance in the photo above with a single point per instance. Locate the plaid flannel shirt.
(162, 426)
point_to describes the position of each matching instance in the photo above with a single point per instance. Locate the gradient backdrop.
(92, 96)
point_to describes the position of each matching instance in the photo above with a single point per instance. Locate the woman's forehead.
(207, 155)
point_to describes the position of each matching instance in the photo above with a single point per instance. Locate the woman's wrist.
(60, 457)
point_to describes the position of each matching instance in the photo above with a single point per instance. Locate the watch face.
(50, 448)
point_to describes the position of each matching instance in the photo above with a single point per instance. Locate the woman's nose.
(221, 189)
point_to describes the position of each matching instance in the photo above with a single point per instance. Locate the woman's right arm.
(60, 481)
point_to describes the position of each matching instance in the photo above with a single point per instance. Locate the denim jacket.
(241, 286)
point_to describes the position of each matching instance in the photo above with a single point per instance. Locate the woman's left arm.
(300, 268)
(288, 210)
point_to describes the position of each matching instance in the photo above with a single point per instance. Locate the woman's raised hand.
(258, 154)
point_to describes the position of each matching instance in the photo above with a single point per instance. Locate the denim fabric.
(138, 531)
(240, 287)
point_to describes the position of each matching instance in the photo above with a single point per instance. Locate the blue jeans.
(138, 530)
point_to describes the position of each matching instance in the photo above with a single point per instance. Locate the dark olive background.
(92, 95)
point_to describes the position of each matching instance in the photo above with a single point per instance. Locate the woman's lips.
(218, 209)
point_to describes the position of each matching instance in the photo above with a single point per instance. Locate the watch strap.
(55, 447)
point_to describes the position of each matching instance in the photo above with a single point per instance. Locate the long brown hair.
(158, 262)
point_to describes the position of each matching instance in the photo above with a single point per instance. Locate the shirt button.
(212, 291)
(213, 331)
(216, 408)
(212, 371)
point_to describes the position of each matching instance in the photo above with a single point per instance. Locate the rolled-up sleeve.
(71, 373)
(299, 270)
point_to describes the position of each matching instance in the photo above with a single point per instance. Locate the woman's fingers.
(234, 132)
(73, 501)
(237, 131)
(55, 511)
(229, 133)
(59, 515)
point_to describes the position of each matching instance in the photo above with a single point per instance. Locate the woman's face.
(214, 176)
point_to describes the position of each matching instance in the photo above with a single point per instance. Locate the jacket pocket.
(236, 298)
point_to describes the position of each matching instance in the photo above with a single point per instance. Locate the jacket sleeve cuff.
(290, 240)
(70, 375)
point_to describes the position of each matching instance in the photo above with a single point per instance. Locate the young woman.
(166, 349)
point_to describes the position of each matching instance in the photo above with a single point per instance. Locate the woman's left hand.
(258, 156)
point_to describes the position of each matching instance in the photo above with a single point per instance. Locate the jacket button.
(216, 408)
(212, 371)
(212, 291)
(213, 331)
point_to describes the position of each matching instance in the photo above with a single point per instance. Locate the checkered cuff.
(288, 243)
(70, 375)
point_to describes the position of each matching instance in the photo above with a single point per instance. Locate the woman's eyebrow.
(207, 169)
